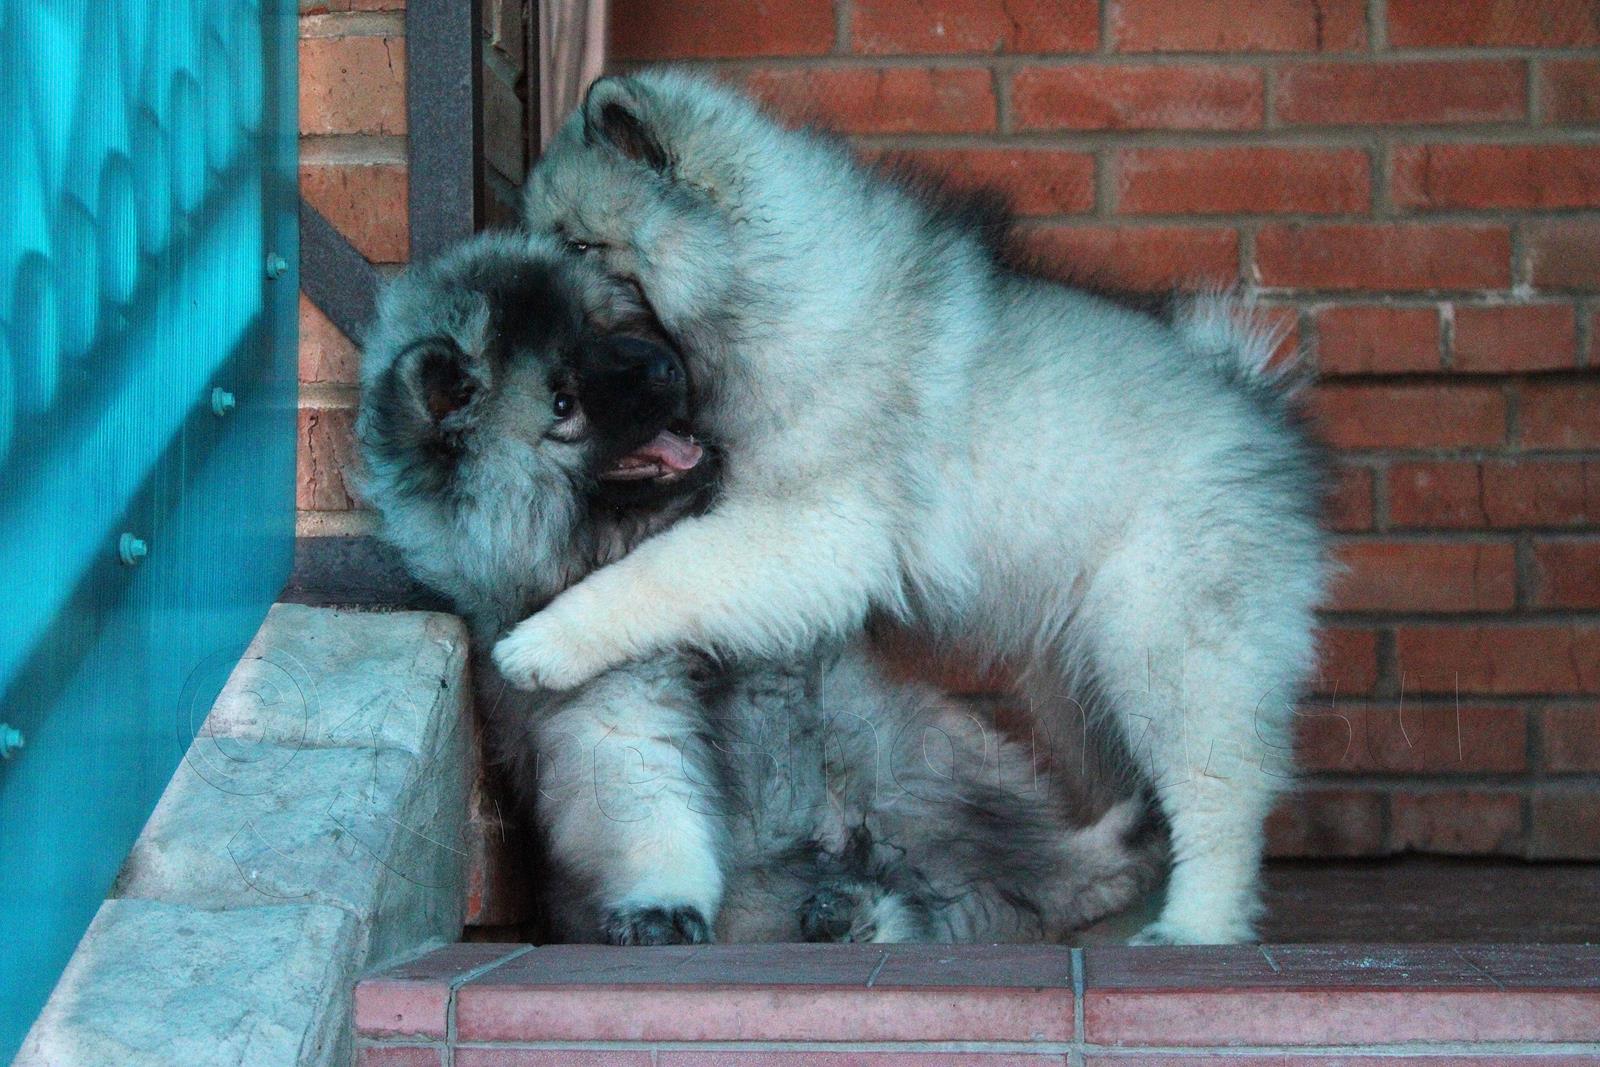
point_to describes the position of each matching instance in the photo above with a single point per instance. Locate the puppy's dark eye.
(580, 248)
(566, 405)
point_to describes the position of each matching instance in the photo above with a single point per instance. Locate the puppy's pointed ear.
(616, 112)
(433, 383)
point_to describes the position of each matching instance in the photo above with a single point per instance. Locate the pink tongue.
(671, 451)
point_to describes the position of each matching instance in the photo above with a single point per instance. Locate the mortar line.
(455, 986)
(883, 959)
(1078, 1038)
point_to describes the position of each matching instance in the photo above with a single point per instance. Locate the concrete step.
(315, 829)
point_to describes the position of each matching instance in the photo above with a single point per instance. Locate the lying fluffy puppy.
(1118, 503)
(521, 425)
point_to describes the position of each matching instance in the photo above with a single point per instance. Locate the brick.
(1438, 176)
(1400, 257)
(1569, 739)
(1377, 340)
(326, 451)
(1502, 660)
(568, 1057)
(769, 1058)
(400, 1056)
(411, 1000)
(1197, 181)
(1350, 500)
(1566, 825)
(1409, 416)
(891, 100)
(1251, 1059)
(1141, 258)
(1456, 823)
(326, 355)
(1402, 576)
(1412, 739)
(1560, 415)
(1298, 995)
(1566, 573)
(1384, 94)
(1515, 338)
(1492, 23)
(1563, 253)
(1239, 26)
(352, 85)
(1569, 90)
(1037, 181)
(1429, 495)
(1137, 97)
(365, 202)
(1542, 492)
(1326, 822)
(1497, 494)
(1347, 661)
(773, 993)
(910, 27)
(1285, 321)
(649, 29)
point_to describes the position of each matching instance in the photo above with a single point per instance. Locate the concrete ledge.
(314, 830)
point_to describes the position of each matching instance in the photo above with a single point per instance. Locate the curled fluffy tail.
(1111, 863)
(1230, 330)
(1119, 823)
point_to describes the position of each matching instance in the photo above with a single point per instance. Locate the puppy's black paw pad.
(657, 926)
(837, 913)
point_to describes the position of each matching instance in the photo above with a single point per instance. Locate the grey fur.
(1118, 503)
(796, 798)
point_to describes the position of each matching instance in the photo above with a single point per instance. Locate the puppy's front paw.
(1168, 933)
(658, 925)
(540, 655)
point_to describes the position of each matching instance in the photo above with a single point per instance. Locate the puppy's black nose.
(662, 370)
(657, 366)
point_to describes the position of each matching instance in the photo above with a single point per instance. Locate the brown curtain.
(572, 39)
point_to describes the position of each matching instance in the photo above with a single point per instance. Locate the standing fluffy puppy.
(516, 427)
(1118, 503)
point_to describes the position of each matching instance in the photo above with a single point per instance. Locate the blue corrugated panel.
(147, 154)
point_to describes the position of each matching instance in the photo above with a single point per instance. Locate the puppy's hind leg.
(1202, 688)
(630, 805)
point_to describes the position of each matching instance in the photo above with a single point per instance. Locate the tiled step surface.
(480, 1005)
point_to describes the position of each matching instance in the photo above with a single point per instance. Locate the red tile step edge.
(995, 1006)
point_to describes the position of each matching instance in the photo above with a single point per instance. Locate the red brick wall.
(353, 169)
(1416, 184)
